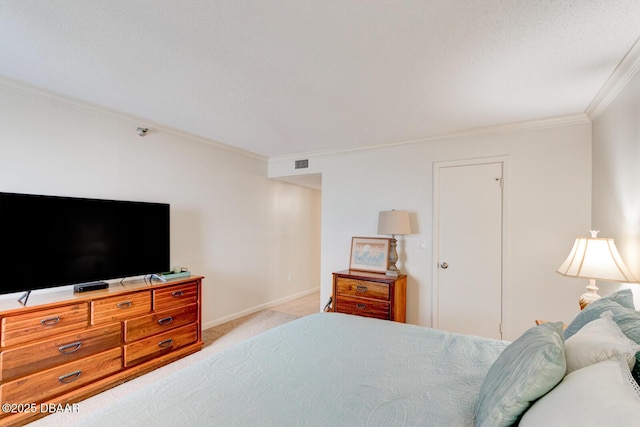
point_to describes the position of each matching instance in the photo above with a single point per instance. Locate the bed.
(331, 369)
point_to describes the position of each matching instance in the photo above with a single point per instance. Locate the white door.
(468, 248)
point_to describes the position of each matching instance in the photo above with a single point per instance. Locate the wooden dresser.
(370, 294)
(63, 347)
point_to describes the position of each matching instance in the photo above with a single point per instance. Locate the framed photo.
(369, 254)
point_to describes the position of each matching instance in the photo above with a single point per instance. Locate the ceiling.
(287, 77)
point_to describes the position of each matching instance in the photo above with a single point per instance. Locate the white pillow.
(602, 394)
(599, 340)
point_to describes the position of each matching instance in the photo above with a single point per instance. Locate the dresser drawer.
(161, 321)
(363, 307)
(120, 307)
(26, 359)
(154, 346)
(175, 295)
(34, 326)
(362, 288)
(60, 379)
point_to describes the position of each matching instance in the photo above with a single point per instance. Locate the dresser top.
(41, 299)
(368, 275)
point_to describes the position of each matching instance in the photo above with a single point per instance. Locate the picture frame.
(369, 254)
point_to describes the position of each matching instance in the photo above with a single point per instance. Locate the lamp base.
(590, 296)
(392, 270)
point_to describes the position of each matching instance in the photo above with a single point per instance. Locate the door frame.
(505, 274)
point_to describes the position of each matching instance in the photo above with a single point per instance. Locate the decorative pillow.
(629, 322)
(603, 394)
(527, 369)
(613, 301)
(624, 297)
(599, 340)
(627, 318)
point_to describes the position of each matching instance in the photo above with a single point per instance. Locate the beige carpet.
(235, 331)
(216, 339)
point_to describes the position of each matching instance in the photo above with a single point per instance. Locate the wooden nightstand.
(370, 295)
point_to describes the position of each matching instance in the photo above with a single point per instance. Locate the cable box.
(92, 286)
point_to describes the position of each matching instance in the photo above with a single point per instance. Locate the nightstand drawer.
(24, 360)
(52, 382)
(362, 288)
(122, 307)
(162, 321)
(44, 323)
(363, 307)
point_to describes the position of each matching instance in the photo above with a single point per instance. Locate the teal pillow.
(525, 371)
(624, 297)
(613, 302)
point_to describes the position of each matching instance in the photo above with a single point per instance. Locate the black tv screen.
(48, 241)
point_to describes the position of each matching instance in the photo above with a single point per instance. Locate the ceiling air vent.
(302, 164)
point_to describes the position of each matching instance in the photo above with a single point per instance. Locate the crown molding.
(524, 126)
(624, 72)
(84, 106)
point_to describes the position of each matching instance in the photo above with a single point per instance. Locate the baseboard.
(260, 307)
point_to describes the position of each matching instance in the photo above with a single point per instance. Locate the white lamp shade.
(394, 222)
(596, 258)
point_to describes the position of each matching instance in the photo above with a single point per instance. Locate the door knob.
(444, 265)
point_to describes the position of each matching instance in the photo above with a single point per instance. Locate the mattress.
(327, 369)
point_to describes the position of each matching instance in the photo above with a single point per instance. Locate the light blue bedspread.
(327, 369)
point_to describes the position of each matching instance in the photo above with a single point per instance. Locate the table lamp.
(393, 222)
(595, 258)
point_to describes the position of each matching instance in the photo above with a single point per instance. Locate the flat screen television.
(49, 241)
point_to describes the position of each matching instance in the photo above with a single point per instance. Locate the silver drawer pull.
(125, 304)
(69, 378)
(50, 321)
(165, 320)
(177, 294)
(166, 343)
(361, 306)
(70, 348)
(361, 288)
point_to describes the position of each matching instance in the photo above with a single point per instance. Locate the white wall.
(616, 178)
(248, 235)
(548, 186)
